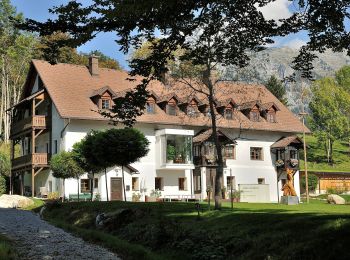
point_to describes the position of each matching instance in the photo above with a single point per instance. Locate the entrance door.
(116, 189)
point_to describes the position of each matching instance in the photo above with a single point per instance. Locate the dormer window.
(171, 108)
(255, 116)
(150, 108)
(105, 103)
(228, 114)
(271, 117)
(191, 111)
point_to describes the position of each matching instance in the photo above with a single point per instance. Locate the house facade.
(61, 103)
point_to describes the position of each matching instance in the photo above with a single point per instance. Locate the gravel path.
(36, 239)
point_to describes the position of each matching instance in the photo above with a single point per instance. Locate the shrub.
(2, 185)
(136, 197)
(312, 182)
(53, 195)
(334, 191)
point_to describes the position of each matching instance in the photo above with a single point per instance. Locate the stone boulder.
(15, 201)
(335, 199)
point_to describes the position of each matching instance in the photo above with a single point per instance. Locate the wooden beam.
(36, 173)
(33, 185)
(42, 130)
(37, 104)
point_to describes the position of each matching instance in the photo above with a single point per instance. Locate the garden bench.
(82, 196)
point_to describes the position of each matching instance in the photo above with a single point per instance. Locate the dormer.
(269, 112)
(169, 103)
(151, 103)
(226, 108)
(190, 106)
(251, 110)
(103, 98)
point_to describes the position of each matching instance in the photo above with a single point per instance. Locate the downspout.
(62, 131)
(64, 128)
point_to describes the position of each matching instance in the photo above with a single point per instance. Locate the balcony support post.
(33, 185)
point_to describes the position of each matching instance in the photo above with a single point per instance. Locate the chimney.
(93, 65)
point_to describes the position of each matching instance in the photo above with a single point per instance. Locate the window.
(254, 116)
(158, 183)
(135, 183)
(293, 154)
(261, 180)
(47, 148)
(56, 148)
(228, 114)
(197, 150)
(191, 111)
(105, 104)
(256, 153)
(85, 185)
(96, 183)
(178, 149)
(270, 117)
(182, 184)
(150, 108)
(197, 183)
(229, 151)
(171, 109)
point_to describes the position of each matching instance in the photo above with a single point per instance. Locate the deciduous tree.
(64, 166)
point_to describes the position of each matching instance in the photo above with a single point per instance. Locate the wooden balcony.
(31, 160)
(37, 122)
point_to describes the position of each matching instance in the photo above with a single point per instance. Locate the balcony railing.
(35, 159)
(39, 121)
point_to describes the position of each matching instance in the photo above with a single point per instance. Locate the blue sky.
(38, 10)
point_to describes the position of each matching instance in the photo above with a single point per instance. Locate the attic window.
(150, 108)
(228, 114)
(171, 108)
(191, 111)
(271, 117)
(105, 103)
(255, 116)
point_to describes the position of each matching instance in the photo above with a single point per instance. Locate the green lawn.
(317, 160)
(6, 250)
(250, 231)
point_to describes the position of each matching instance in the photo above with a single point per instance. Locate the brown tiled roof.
(205, 135)
(268, 105)
(286, 141)
(249, 105)
(70, 88)
(101, 91)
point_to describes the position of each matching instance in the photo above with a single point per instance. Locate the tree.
(83, 155)
(64, 166)
(276, 87)
(329, 110)
(17, 49)
(210, 33)
(123, 147)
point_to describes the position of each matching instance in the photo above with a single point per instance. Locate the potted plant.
(170, 153)
(154, 196)
(279, 163)
(136, 197)
(294, 162)
(236, 195)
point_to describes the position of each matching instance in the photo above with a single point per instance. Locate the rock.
(335, 199)
(15, 201)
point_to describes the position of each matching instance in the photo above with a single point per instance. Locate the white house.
(59, 107)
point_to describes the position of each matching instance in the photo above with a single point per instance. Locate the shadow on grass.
(250, 231)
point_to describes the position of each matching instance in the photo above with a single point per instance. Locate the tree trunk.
(106, 183)
(123, 183)
(331, 152)
(92, 186)
(78, 189)
(220, 163)
(63, 191)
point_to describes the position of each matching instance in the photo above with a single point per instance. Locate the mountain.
(278, 61)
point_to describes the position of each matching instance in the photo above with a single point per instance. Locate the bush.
(2, 185)
(334, 191)
(312, 182)
(53, 195)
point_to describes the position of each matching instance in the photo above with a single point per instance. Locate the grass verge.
(249, 231)
(6, 250)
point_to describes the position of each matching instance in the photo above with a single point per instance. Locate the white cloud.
(277, 10)
(294, 44)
